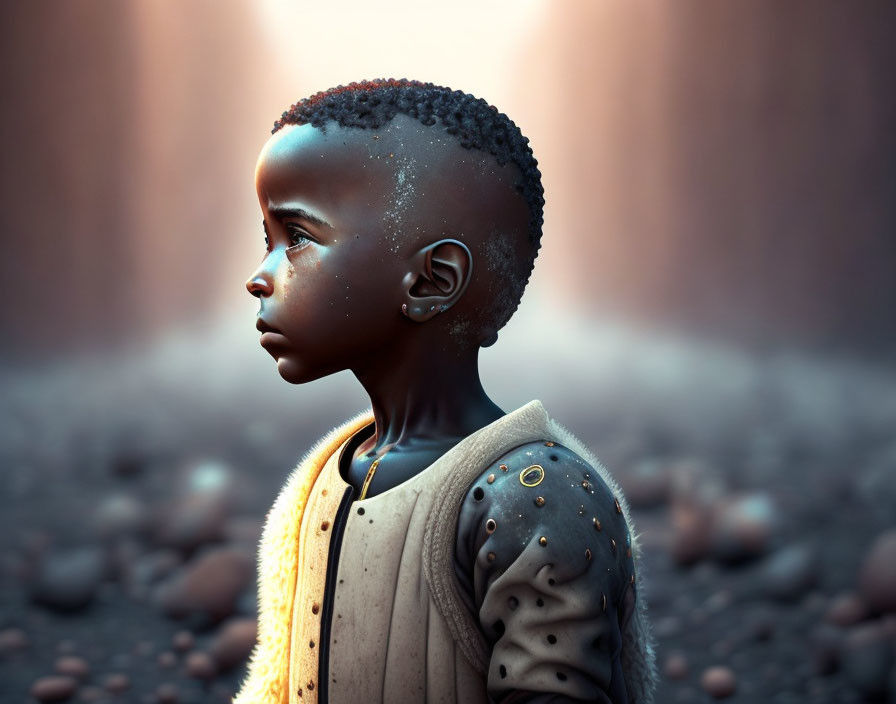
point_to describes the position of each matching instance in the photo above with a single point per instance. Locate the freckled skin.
(404, 209)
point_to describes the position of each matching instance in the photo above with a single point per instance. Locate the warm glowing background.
(722, 168)
(717, 282)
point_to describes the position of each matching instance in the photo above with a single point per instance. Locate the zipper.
(323, 666)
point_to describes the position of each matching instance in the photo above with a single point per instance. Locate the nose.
(259, 285)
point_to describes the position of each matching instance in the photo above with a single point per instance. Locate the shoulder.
(544, 553)
(545, 483)
(543, 493)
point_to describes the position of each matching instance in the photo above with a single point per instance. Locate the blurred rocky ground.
(134, 489)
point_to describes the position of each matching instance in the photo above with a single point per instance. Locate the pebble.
(167, 693)
(877, 575)
(647, 485)
(742, 527)
(789, 573)
(68, 581)
(158, 564)
(117, 683)
(166, 659)
(54, 688)
(691, 525)
(234, 642)
(183, 641)
(676, 666)
(119, 515)
(209, 586)
(12, 640)
(198, 514)
(201, 666)
(192, 521)
(846, 609)
(719, 681)
(868, 657)
(72, 666)
(825, 645)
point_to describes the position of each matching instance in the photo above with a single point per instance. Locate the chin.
(295, 372)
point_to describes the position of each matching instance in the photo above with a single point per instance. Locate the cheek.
(296, 293)
(320, 293)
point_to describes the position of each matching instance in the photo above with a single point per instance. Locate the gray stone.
(868, 657)
(790, 572)
(877, 576)
(118, 516)
(68, 581)
(742, 527)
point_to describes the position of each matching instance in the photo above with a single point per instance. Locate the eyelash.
(293, 232)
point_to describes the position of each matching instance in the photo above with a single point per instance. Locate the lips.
(262, 326)
(271, 337)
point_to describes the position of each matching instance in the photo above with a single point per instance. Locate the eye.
(297, 237)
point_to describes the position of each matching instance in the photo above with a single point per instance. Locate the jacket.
(444, 588)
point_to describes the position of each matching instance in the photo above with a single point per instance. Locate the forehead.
(299, 157)
(354, 169)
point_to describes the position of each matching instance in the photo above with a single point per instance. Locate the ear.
(439, 276)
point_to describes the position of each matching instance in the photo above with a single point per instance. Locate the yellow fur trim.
(267, 681)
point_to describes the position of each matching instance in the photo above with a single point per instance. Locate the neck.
(423, 399)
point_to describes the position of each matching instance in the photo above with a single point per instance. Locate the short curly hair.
(472, 121)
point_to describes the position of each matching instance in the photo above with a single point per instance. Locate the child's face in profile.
(344, 212)
(322, 282)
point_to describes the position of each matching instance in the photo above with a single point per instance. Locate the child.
(431, 548)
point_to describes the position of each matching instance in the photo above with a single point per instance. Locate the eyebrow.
(285, 211)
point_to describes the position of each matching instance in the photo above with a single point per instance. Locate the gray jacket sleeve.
(543, 556)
